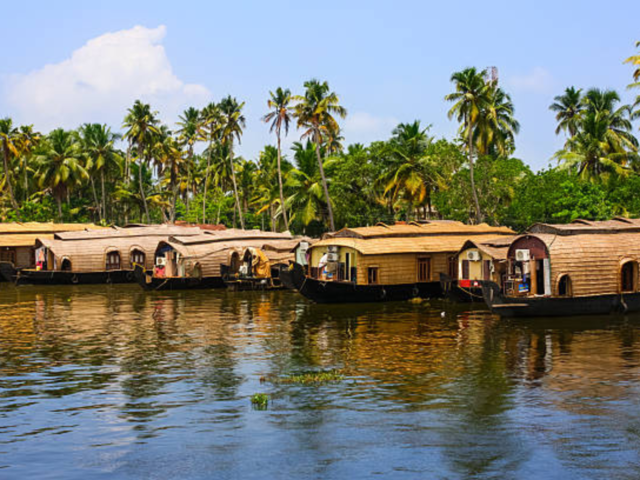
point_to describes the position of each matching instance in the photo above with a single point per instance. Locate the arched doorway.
(629, 276)
(565, 288)
(66, 265)
(113, 260)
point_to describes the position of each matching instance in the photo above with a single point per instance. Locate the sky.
(66, 63)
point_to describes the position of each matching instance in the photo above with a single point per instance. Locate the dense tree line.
(152, 172)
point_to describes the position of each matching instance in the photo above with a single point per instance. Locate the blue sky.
(390, 62)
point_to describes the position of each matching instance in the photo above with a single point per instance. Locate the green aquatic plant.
(306, 378)
(260, 401)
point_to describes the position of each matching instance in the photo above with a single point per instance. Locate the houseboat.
(299, 266)
(585, 267)
(213, 259)
(95, 256)
(386, 262)
(476, 262)
(18, 243)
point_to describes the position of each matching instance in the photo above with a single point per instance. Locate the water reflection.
(116, 381)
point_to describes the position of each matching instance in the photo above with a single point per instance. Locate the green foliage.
(260, 401)
(314, 377)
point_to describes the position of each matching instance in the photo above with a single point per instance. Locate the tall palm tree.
(307, 201)
(314, 112)
(98, 144)
(29, 141)
(617, 119)
(9, 141)
(141, 123)
(568, 108)
(211, 119)
(280, 116)
(470, 98)
(233, 123)
(169, 153)
(497, 126)
(189, 133)
(60, 165)
(635, 60)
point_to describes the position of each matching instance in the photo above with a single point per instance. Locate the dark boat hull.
(148, 282)
(44, 277)
(558, 306)
(7, 272)
(346, 292)
(452, 290)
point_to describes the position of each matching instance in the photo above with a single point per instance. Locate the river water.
(112, 382)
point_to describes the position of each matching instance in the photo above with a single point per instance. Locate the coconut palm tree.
(497, 126)
(98, 145)
(28, 141)
(169, 153)
(232, 125)
(211, 119)
(60, 165)
(314, 112)
(568, 108)
(9, 141)
(190, 132)
(471, 97)
(280, 116)
(141, 123)
(307, 201)
(635, 60)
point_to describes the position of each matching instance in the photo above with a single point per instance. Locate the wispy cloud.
(364, 127)
(100, 80)
(538, 80)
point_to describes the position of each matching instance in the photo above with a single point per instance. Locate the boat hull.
(347, 292)
(452, 290)
(150, 283)
(558, 306)
(44, 277)
(7, 272)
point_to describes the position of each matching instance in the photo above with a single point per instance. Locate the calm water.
(112, 382)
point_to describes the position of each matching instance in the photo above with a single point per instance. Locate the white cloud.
(363, 127)
(100, 81)
(539, 80)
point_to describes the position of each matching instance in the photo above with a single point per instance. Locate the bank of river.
(112, 382)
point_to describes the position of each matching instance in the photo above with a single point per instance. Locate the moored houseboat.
(477, 262)
(213, 259)
(95, 257)
(585, 267)
(18, 243)
(386, 262)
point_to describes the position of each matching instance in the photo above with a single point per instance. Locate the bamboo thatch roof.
(414, 229)
(25, 234)
(617, 224)
(592, 260)
(496, 248)
(410, 244)
(130, 232)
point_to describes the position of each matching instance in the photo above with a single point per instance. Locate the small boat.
(386, 262)
(476, 262)
(585, 267)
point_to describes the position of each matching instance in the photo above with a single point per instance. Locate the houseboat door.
(347, 266)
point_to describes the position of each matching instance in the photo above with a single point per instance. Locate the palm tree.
(497, 127)
(280, 116)
(29, 140)
(169, 153)
(232, 125)
(268, 191)
(315, 114)
(98, 144)
(568, 108)
(211, 119)
(604, 103)
(307, 201)
(9, 141)
(635, 60)
(471, 97)
(141, 123)
(60, 165)
(190, 132)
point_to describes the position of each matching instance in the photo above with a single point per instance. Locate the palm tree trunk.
(104, 196)
(282, 206)
(95, 197)
(235, 187)
(206, 184)
(142, 195)
(26, 184)
(7, 174)
(473, 183)
(190, 161)
(324, 186)
(59, 202)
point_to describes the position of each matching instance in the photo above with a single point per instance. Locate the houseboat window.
(66, 265)
(486, 269)
(372, 275)
(565, 289)
(628, 275)
(113, 261)
(452, 267)
(138, 257)
(465, 269)
(424, 269)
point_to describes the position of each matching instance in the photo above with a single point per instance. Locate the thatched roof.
(24, 234)
(617, 224)
(496, 248)
(414, 229)
(130, 232)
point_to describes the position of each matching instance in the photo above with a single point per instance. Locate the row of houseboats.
(585, 267)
